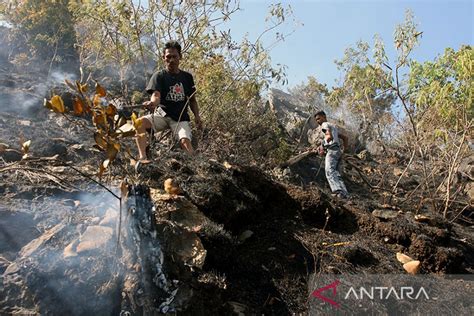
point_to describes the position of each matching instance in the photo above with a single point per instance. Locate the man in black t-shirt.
(172, 91)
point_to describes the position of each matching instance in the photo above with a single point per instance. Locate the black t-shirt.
(175, 89)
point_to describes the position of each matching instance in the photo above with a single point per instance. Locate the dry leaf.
(25, 147)
(136, 122)
(82, 88)
(100, 141)
(227, 165)
(78, 106)
(99, 118)
(58, 104)
(100, 90)
(112, 150)
(96, 100)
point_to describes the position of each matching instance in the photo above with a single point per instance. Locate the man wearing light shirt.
(331, 147)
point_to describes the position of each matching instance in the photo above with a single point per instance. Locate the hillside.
(238, 238)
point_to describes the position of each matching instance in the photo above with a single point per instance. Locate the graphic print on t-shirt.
(176, 93)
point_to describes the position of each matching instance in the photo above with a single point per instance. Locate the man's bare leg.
(186, 145)
(141, 139)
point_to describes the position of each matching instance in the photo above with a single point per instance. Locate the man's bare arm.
(195, 109)
(154, 100)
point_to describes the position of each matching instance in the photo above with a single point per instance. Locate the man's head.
(172, 56)
(320, 117)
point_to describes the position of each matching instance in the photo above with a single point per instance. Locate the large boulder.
(291, 115)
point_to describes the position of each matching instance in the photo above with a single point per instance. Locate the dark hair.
(172, 44)
(320, 113)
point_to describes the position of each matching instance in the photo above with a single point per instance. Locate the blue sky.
(331, 26)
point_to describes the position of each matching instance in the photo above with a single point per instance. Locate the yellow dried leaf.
(82, 88)
(112, 150)
(99, 118)
(58, 104)
(96, 100)
(100, 141)
(100, 90)
(78, 106)
(136, 122)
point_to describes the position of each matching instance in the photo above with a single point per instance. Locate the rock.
(179, 210)
(70, 250)
(110, 218)
(24, 122)
(236, 308)
(412, 267)
(37, 243)
(94, 220)
(384, 214)
(94, 238)
(4, 263)
(10, 155)
(171, 187)
(12, 269)
(188, 248)
(290, 113)
(403, 258)
(245, 235)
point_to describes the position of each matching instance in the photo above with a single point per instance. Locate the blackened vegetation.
(146, 289)
(266, 237)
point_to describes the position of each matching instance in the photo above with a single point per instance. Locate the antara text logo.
(371, 293)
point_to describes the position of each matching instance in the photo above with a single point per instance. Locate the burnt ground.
(268, 233)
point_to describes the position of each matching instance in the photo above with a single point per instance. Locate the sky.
(327, 27)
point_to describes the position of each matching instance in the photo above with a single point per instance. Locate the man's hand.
(198, 122)
(321, 150)
(328, 136)
(149, 105)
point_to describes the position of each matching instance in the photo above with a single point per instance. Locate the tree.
(365, 90)
(311, 94)
(44, 30)
(121, 42)
(436, 98)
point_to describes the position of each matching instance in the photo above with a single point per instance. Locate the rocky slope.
(237, 239)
